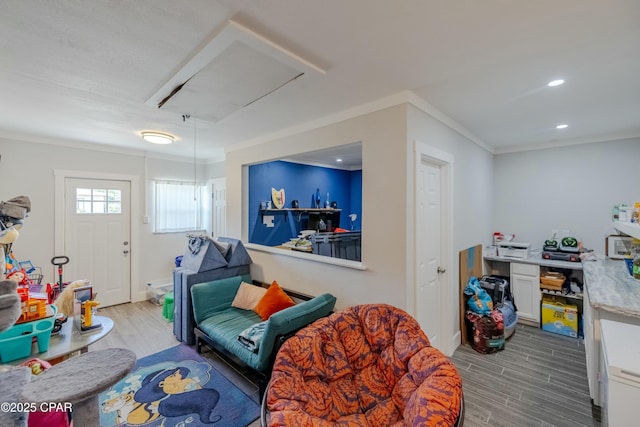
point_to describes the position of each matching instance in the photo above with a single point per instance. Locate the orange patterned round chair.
(368, 365)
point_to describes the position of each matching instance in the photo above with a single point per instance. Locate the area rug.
(176, 388)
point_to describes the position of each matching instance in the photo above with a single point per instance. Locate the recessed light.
(557, 82)
(338, 160)
(157, 137)
(562, 126)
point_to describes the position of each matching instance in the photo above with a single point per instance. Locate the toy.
(64, 301)
(87, 314)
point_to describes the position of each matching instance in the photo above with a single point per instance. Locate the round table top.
(70, 340)
(79, 378)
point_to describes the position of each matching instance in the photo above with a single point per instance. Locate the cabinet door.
(591, 349)
(526, 292)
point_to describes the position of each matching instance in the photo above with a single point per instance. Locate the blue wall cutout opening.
(299, 183)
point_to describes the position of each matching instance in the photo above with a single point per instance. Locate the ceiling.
(93, 71)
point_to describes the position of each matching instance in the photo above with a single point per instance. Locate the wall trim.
(404, 97)
(567, 143)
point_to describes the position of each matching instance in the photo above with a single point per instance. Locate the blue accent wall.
(356, 201)
(299, 183)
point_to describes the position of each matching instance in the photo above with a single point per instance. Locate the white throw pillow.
(248, 296)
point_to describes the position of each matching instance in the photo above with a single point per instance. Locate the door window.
(98, 201)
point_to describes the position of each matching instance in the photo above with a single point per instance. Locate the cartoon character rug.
(176, 388)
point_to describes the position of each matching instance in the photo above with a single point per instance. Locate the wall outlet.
(145, 219)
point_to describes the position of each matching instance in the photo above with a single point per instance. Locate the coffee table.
(69, 340)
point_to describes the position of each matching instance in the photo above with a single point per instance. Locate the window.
(178, 206)
(98, 201)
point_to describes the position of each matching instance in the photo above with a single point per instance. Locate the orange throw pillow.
(274, 300)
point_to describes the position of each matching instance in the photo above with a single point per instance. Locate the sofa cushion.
(248, 296)
(274, 300)
(225, 326)
(211, 297)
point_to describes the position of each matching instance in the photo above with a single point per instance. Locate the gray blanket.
(252, 336)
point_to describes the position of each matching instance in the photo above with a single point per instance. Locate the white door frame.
(59, 228)
(448, 280)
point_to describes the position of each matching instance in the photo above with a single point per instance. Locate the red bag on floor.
(485, 332)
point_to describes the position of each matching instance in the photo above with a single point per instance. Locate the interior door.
(219, 211)
(428, 229)
(97, 234)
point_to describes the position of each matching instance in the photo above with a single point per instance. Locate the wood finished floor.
(539, 379)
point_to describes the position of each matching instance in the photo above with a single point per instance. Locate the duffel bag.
(499, 289)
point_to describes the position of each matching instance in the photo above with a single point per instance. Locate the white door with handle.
(97, 237)
(428, 265)
(430, 298)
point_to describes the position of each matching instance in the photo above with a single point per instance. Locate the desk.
(70, 340)
(524, 275)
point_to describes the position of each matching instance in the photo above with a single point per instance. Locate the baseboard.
(455, 342)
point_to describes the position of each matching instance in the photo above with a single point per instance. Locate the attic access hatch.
(234, 69)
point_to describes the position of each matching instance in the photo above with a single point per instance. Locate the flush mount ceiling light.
(157, 137)
(554, 83)
(562, 126)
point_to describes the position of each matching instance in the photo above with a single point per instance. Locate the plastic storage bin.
(16, 342)
(157, 291)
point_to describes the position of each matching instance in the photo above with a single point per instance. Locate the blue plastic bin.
(16, 342)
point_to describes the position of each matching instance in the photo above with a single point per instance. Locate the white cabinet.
(620, 373)
(593, 342)
(525, 285)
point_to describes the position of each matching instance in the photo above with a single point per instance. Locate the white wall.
(383, 137)
(472, 192)
(27, 168)
(572, 187)
(387, 141)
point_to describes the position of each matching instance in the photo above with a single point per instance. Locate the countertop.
(608, 282)
(611, 287)
(535, 257)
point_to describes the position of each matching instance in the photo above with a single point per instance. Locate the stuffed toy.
(64, 302)
(10, 309)
(18, 276)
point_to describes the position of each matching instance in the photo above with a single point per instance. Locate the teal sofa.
(219, 325)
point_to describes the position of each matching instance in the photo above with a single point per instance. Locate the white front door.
(427, 292)
(97, 237)
(219, 203)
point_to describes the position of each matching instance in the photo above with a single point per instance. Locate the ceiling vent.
(234, 69)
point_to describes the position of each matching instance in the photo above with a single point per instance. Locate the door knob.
(441, 270)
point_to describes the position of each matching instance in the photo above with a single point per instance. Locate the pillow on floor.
(248, 296)
(274, 300)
